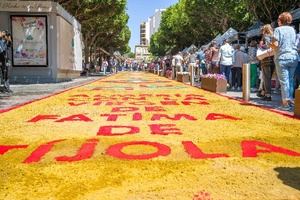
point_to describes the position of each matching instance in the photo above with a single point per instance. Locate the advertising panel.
(29, 41)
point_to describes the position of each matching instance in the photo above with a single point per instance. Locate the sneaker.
(285, 108)
(265, 98)
(291, 103)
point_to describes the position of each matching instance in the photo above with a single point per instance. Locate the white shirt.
(226, 54)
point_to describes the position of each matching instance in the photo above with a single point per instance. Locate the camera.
(7, 33)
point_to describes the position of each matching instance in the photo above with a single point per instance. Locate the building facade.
(47, 41)
(143, 34)
(149, 27)
(142, 53)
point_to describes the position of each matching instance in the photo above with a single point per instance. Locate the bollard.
(158, 70)
(246, 82)
(173, 72)
(192, 74)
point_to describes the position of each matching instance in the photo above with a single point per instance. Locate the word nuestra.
(250, 149)
(137, 100)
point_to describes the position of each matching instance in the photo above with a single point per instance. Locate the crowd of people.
(279, 68)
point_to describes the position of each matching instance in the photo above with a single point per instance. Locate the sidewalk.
(274, 104)
(24, 93)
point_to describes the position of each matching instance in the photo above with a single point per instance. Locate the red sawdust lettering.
(75, 118)
(137, 117)
(114, 103)
(77, 104)
(169, 103)
(154, 109)
(116, 150)
(196, 153)
(164, 129)
(175, 118)
(163, 95)
(125, 109)
(250, 150)
(6, 148)
(85, 152)
(195, 98)
(217, 116)
(40, 152)
(43, 117)
(112, 117)
(111, 130)
(97, 103)
(169, 99)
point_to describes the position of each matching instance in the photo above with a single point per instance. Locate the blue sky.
(139, 11)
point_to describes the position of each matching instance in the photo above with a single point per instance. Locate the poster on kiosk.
(29, 41)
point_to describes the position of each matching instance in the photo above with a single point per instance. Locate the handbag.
(264, 53)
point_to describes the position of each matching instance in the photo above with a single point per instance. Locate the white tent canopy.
(229, 34)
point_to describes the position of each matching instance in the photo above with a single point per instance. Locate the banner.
(29, 40)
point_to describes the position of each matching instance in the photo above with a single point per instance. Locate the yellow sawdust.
(176, 176)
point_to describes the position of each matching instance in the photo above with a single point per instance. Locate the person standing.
(253, 65)
(286, 57)
(201, 61)
(215, 69)
(297, 72)
(226, 59)
(239, 58)
(5, 43)
(267, 64)
(104, 66)
(208, 59)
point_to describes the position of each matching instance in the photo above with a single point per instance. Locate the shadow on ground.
(289, 176)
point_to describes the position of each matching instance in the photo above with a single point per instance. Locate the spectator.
(192, 58)
(226, 59)
(267, 64)
(201, 60)
(239, 58)
(286, 57)
(297, 72)
(208, 58)
(253, 65)
(214, 59)
(104, 66)
(178, 61)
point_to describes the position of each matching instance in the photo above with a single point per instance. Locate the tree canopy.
(199, 21)
(104, 23)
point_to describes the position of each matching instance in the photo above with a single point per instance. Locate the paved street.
(139, 136)
(24, 93)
